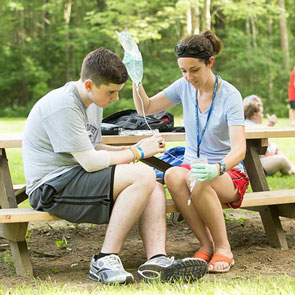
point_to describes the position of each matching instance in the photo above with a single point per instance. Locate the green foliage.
(40, 50)
(63, 243)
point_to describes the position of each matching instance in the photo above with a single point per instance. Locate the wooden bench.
(251, 200)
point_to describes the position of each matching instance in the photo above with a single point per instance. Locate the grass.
(220, 286)
(237, 286)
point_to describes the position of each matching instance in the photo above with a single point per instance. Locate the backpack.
(176, 152)
(130, 120)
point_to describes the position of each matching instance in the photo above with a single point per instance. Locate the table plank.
(15, 140)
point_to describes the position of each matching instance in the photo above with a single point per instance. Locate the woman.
(272, 161)
(214, 124)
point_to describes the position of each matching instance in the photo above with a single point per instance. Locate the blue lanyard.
(199, 138)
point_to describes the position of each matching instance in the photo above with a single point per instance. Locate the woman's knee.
(176, 181)
(175, 176)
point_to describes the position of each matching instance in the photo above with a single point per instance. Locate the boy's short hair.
(103, 66)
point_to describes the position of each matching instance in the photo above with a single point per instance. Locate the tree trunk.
(75, 70)
(196, 17)
(284, 35)
(207, 24)
(270, 72)
(45, 21)
(67, 18)
(189, 27)
(248, 34)
(254, 33)
(249, 46)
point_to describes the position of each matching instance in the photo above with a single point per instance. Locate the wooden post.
(14, 233)
(268, 214)
(7, 198)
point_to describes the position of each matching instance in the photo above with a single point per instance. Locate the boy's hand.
(204, 171)
(152, 145)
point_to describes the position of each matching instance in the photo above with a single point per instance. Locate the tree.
(43, 43)
(284, 35)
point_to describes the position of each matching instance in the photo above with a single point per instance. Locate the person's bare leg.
(208, 198)
(152, 223)
(133, 186)
(275, 163)
(291, 116)
(176, 181)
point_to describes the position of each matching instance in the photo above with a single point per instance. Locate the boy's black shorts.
(77, 196)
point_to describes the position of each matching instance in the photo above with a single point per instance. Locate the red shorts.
(240, 180)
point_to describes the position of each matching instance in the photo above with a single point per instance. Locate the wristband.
(141, 152)
(222, 167)
(136, 154)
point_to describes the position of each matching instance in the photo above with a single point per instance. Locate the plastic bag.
(132, 57)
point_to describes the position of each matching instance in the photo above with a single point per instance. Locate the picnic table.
(271, 205)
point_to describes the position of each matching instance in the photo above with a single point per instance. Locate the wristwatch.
(222, 167)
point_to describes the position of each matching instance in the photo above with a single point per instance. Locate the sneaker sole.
(150, 273)
(188, 270)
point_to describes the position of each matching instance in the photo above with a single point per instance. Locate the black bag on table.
(130, 120)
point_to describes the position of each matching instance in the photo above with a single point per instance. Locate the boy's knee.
(145, 174)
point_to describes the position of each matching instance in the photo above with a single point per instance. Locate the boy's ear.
(88, 85)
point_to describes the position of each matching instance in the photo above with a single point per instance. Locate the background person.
(214, 124)
(291, 93)
(72, 175)
(272, 119)
(272, 161)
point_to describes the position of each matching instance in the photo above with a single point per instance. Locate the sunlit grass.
(12, 125)
(218, 286)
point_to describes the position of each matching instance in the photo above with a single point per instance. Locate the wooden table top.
(14, 140)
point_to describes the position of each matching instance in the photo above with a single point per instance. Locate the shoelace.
(113, 262)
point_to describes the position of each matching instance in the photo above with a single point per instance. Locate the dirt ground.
(69, 262)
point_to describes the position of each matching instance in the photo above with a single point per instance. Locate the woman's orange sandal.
(200, 254)
(217, 257)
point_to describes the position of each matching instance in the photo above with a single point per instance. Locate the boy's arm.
(93, 160)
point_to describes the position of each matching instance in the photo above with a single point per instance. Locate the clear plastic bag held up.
(132, 57)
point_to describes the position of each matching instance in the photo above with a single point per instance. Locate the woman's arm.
(152, 105)
(238, 147)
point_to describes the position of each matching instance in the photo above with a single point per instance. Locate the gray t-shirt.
(57, 125)
(227, 111)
